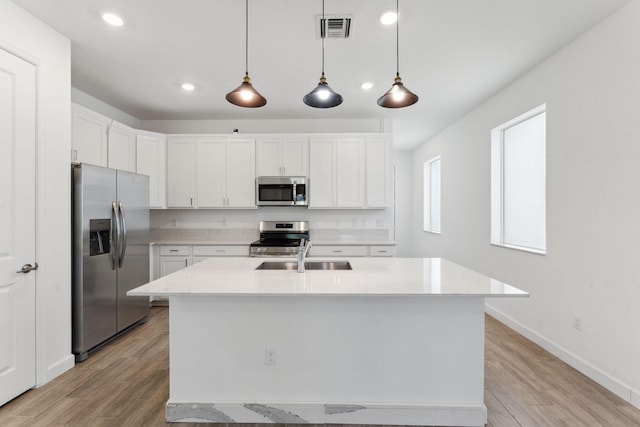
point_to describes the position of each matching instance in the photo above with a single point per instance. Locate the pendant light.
(398, 96)
(322, 96)
(245, 95)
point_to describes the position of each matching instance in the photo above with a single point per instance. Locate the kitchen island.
(392, 341)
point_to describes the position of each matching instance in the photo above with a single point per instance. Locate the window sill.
(520, 248)
(432, 232)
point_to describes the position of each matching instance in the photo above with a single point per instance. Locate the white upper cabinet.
(241, 173)
(210, 172)
(350, 172)
(288, 156)
(378, 175)
(151, 160)
(180, 172)
(268, 157)
(121, 141)
(322, 189)
(88, 136)
(336, 173)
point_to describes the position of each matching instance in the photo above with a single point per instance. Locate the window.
(518, 181)
(432, 195)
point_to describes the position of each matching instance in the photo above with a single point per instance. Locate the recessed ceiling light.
(112, 19)
(366, 85)
(389, 17)
(188, 87)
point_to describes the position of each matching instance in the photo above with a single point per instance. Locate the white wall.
(592, 265)
(25, 36)
(402, 164)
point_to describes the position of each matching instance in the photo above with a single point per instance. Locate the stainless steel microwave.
(282, 191)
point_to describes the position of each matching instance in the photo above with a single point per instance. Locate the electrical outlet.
(577, 322)
(270, 357)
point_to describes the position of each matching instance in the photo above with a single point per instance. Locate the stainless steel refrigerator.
(110, 254)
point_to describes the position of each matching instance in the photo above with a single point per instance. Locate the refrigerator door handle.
(123, 234)
(115, 235)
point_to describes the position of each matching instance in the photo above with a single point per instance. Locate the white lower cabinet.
(174, 258)
(200, 253)
(171, 258)
(352, 251)
(338, 250)
(382, 251)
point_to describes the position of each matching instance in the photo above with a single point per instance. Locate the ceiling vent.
(334, 26)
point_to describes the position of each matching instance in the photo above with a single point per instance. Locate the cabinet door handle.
(382, 252)
(220, 250)
(191, 201)
(186, 262)
(173, 250)
(337, 251)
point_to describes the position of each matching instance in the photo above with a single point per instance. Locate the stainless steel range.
(280, 238)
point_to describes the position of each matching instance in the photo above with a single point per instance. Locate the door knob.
(27, 268)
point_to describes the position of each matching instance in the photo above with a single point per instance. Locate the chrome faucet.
(302, 254)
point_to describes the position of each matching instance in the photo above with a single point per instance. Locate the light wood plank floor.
(127, 384)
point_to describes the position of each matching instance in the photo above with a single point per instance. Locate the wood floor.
(127, 384)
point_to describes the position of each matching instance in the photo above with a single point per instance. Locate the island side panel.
(394, 360)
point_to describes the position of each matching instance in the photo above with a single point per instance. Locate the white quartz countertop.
(370, 276)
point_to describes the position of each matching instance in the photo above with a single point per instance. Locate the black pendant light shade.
(322, 96)
(398, 96)
(245, 95)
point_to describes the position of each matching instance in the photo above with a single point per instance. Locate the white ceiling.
(453, 54)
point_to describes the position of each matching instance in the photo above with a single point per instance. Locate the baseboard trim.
(635, 397)
(603, 378)
(58, 368)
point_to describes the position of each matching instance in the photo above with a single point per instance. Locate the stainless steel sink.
(309, 265)
(327, 265)
(278, 265)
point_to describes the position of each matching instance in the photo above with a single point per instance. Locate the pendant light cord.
(323, 32)
(397, 40)
(246, 36)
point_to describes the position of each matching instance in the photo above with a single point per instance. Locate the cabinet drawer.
(382, 251)
(221, 250)
(174, 250)
(338, 251)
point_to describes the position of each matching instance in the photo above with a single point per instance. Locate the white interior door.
(17, 226)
